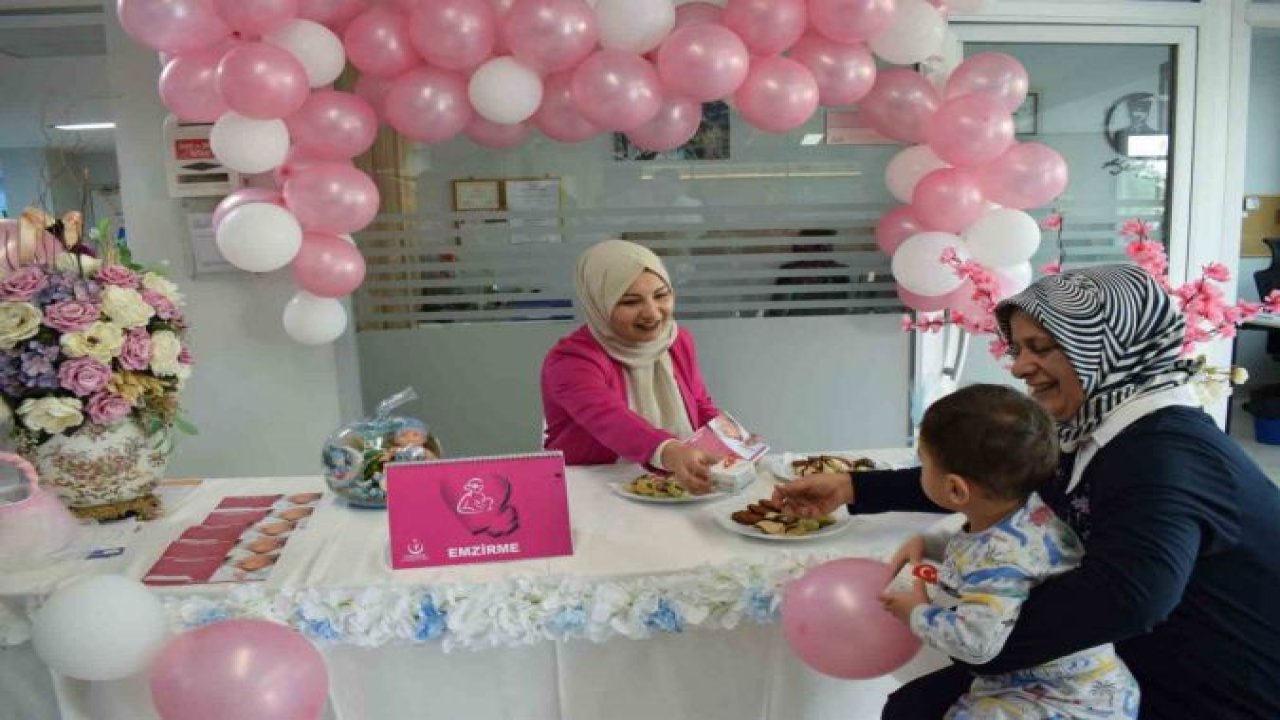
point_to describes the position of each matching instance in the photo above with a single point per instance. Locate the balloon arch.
(495, 70)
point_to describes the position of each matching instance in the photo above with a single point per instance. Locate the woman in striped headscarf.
(1181, 528)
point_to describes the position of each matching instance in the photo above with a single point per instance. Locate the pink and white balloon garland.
(495, 69)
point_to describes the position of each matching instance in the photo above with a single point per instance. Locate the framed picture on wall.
(710, 142)
(477, 195)
(1026, 119)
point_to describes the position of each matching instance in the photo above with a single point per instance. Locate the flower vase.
(104, 472)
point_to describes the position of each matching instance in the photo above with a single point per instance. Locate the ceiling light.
(86, 126)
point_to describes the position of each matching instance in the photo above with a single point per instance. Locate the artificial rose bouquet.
(86, 342)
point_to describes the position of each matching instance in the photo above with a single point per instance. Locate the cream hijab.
(605, 271)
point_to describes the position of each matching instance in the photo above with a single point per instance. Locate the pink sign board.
(478, 510)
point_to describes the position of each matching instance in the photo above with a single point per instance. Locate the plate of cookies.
(652, 488)
(786, 467)
(764, 520)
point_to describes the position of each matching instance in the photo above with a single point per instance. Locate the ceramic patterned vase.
(104, 472)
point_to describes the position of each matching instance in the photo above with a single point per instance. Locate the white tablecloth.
(698, 599)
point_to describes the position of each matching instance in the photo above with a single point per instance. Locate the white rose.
(165, 348)
(100, 341)
(51, 414)
(126, 307)
(18, 321)
(71, 262)
(161, 284)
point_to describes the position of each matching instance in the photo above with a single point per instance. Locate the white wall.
(264, 404)
(24, 177)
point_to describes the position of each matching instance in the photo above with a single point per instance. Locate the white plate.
(619, 488)
(779, 466)
(722, 513)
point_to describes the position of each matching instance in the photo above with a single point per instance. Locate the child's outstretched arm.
(975, 630)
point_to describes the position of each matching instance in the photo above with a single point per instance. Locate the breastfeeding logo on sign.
(474, 510)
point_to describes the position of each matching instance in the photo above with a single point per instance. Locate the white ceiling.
(52, 70)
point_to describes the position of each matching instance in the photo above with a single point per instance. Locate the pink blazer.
(584, 401)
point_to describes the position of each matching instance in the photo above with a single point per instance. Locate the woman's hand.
(689, 466)
(813, 496)
(912, 551)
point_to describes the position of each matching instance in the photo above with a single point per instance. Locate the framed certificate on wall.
(477, 195)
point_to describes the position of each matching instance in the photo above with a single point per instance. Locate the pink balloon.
(900, 104)
(239, 669)
(558, 117)
(335, 14)
(454, 34)
(244, 196)
(377, 42)
(332, 197)
(328, 266)
(964, 302)
(970, 130)
(845, 72)
(896, 226)
(172, 26)
(673, 126)
(996, 75)
(779, 94)
(189, 85)
(929, 303)
(262, 81)
(295, 162)
(333, 125)
(851, 21)
(256, 17)
(498, 136)
(373, 90)
(1027, 175)
(766, 26)
(429, 105)
(693, 13)
(948, 200)
(550, 35)
(616, 90)
(703, 61)
(832, 619)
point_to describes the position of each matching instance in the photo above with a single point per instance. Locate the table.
(659, 613)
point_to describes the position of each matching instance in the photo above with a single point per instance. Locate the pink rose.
(72, 315)
(23, 285)
(136, 352)
(164, 307)
(185, 357)
(118, 275)
(106, 408)
(83, 376)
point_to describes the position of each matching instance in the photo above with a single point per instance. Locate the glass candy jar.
(356, 455)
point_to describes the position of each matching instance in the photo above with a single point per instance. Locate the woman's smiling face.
(643, 311)
(1039, 362)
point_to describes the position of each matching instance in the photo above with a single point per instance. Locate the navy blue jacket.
(1181, 568)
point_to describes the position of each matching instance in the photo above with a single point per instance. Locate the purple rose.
(83, 376)
(164, 307)
(106, 408)
(23, 285)
(118, 275)
(71, 316)
(136, 352)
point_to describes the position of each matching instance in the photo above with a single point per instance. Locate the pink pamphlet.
(477, 510)
(724, 436)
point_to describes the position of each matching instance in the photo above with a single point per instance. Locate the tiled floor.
(1268, 456)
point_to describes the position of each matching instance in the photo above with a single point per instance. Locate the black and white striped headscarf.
(1120, 330)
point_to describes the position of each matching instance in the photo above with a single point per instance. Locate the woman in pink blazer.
(626, 384)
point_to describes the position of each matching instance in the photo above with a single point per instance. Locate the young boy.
(984, 450)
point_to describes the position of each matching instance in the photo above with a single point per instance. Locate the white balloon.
(914, 34)
(938, 67)
(505, 91)
(1003, 237)
(313, 320)
(249, 146)
(1016, 278)
(125, 699)
(636, 26)
(917, 263)
(316, 47)
(103, 627)
(259, 237)
(907, 167)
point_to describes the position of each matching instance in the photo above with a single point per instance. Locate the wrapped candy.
(356, 455)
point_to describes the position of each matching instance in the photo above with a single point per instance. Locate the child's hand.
(900, 604)
(912, 551)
